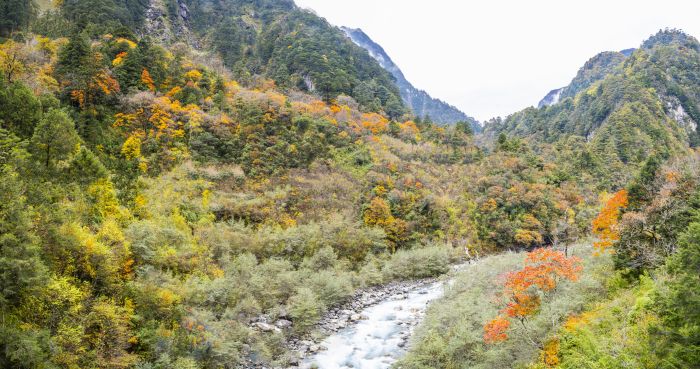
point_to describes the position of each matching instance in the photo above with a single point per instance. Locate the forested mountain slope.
(623, 112)
(269, 38)
(594, 70)
(419, 101)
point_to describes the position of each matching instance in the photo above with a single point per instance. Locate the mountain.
(595, 69)
(272, 39)
(419, 101)
(189, 184)
(623, 109)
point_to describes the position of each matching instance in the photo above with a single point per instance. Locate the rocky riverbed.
(370, 330)
(373, 337)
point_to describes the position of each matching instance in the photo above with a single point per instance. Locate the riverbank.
(373, 327)
(375, 336)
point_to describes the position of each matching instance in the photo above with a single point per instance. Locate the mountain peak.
(671, 36)
(420, 101)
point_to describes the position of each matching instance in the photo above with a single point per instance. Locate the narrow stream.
(380, 338)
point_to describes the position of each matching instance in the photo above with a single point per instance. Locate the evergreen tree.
(678, 337)
(73, 57)
(54, 138)
(464, 127)
(21, 269)
(19, 108)
(15, 15)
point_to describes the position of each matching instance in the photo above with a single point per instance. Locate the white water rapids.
(377, 341)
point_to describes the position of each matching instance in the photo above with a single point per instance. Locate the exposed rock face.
(551, 98)
(675, 111)
(168, 28)
(420, 102)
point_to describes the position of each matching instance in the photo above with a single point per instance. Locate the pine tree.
(16, 15)
(20, 265)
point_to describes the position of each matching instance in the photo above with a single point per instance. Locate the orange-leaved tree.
(606, 224)
(524, 290)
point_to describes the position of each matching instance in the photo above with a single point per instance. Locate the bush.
(371, 272)
(418, 263)
(331, 288)
(304, 309)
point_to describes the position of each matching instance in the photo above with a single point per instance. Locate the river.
(380, 338)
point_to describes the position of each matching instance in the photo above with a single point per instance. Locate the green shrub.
(418, 263)
(371, 272)
(304, 309)
(331, 288)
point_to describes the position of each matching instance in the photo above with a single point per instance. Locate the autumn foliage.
(495, 330)
(605, 225)
(524, 289)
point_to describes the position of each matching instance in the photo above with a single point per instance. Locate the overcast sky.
(494, 57)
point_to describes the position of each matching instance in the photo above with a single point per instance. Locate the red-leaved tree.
(524, 290)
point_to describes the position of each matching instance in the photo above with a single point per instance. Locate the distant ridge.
(418, 100)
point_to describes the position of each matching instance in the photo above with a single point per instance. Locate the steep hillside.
(157, 213)
(624, 108)
(294, 47)
(419, 101)
(551, 98)
(594, 70)
(272, 39)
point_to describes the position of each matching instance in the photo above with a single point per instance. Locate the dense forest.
(172, 171)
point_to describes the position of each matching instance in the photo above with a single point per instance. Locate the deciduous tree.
(605, 225)
(525, 289)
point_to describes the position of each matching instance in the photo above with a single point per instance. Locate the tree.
(606, 224)
(378, 213)
(147, 80)
(54, 138)
(464, 127)
(524, 290)
(642, 189)
(304, 308)
(12, 60)
(81, 73)
(394, 107)
(20, 110)
(678, 337)
(16, 15)
(85, 167)
(21, 269)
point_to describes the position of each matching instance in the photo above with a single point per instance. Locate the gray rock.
(283, 324)
(265, 327)
(293, 360)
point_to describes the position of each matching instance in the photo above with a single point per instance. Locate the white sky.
(494, 57)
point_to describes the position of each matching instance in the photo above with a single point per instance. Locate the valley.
(200, 184)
